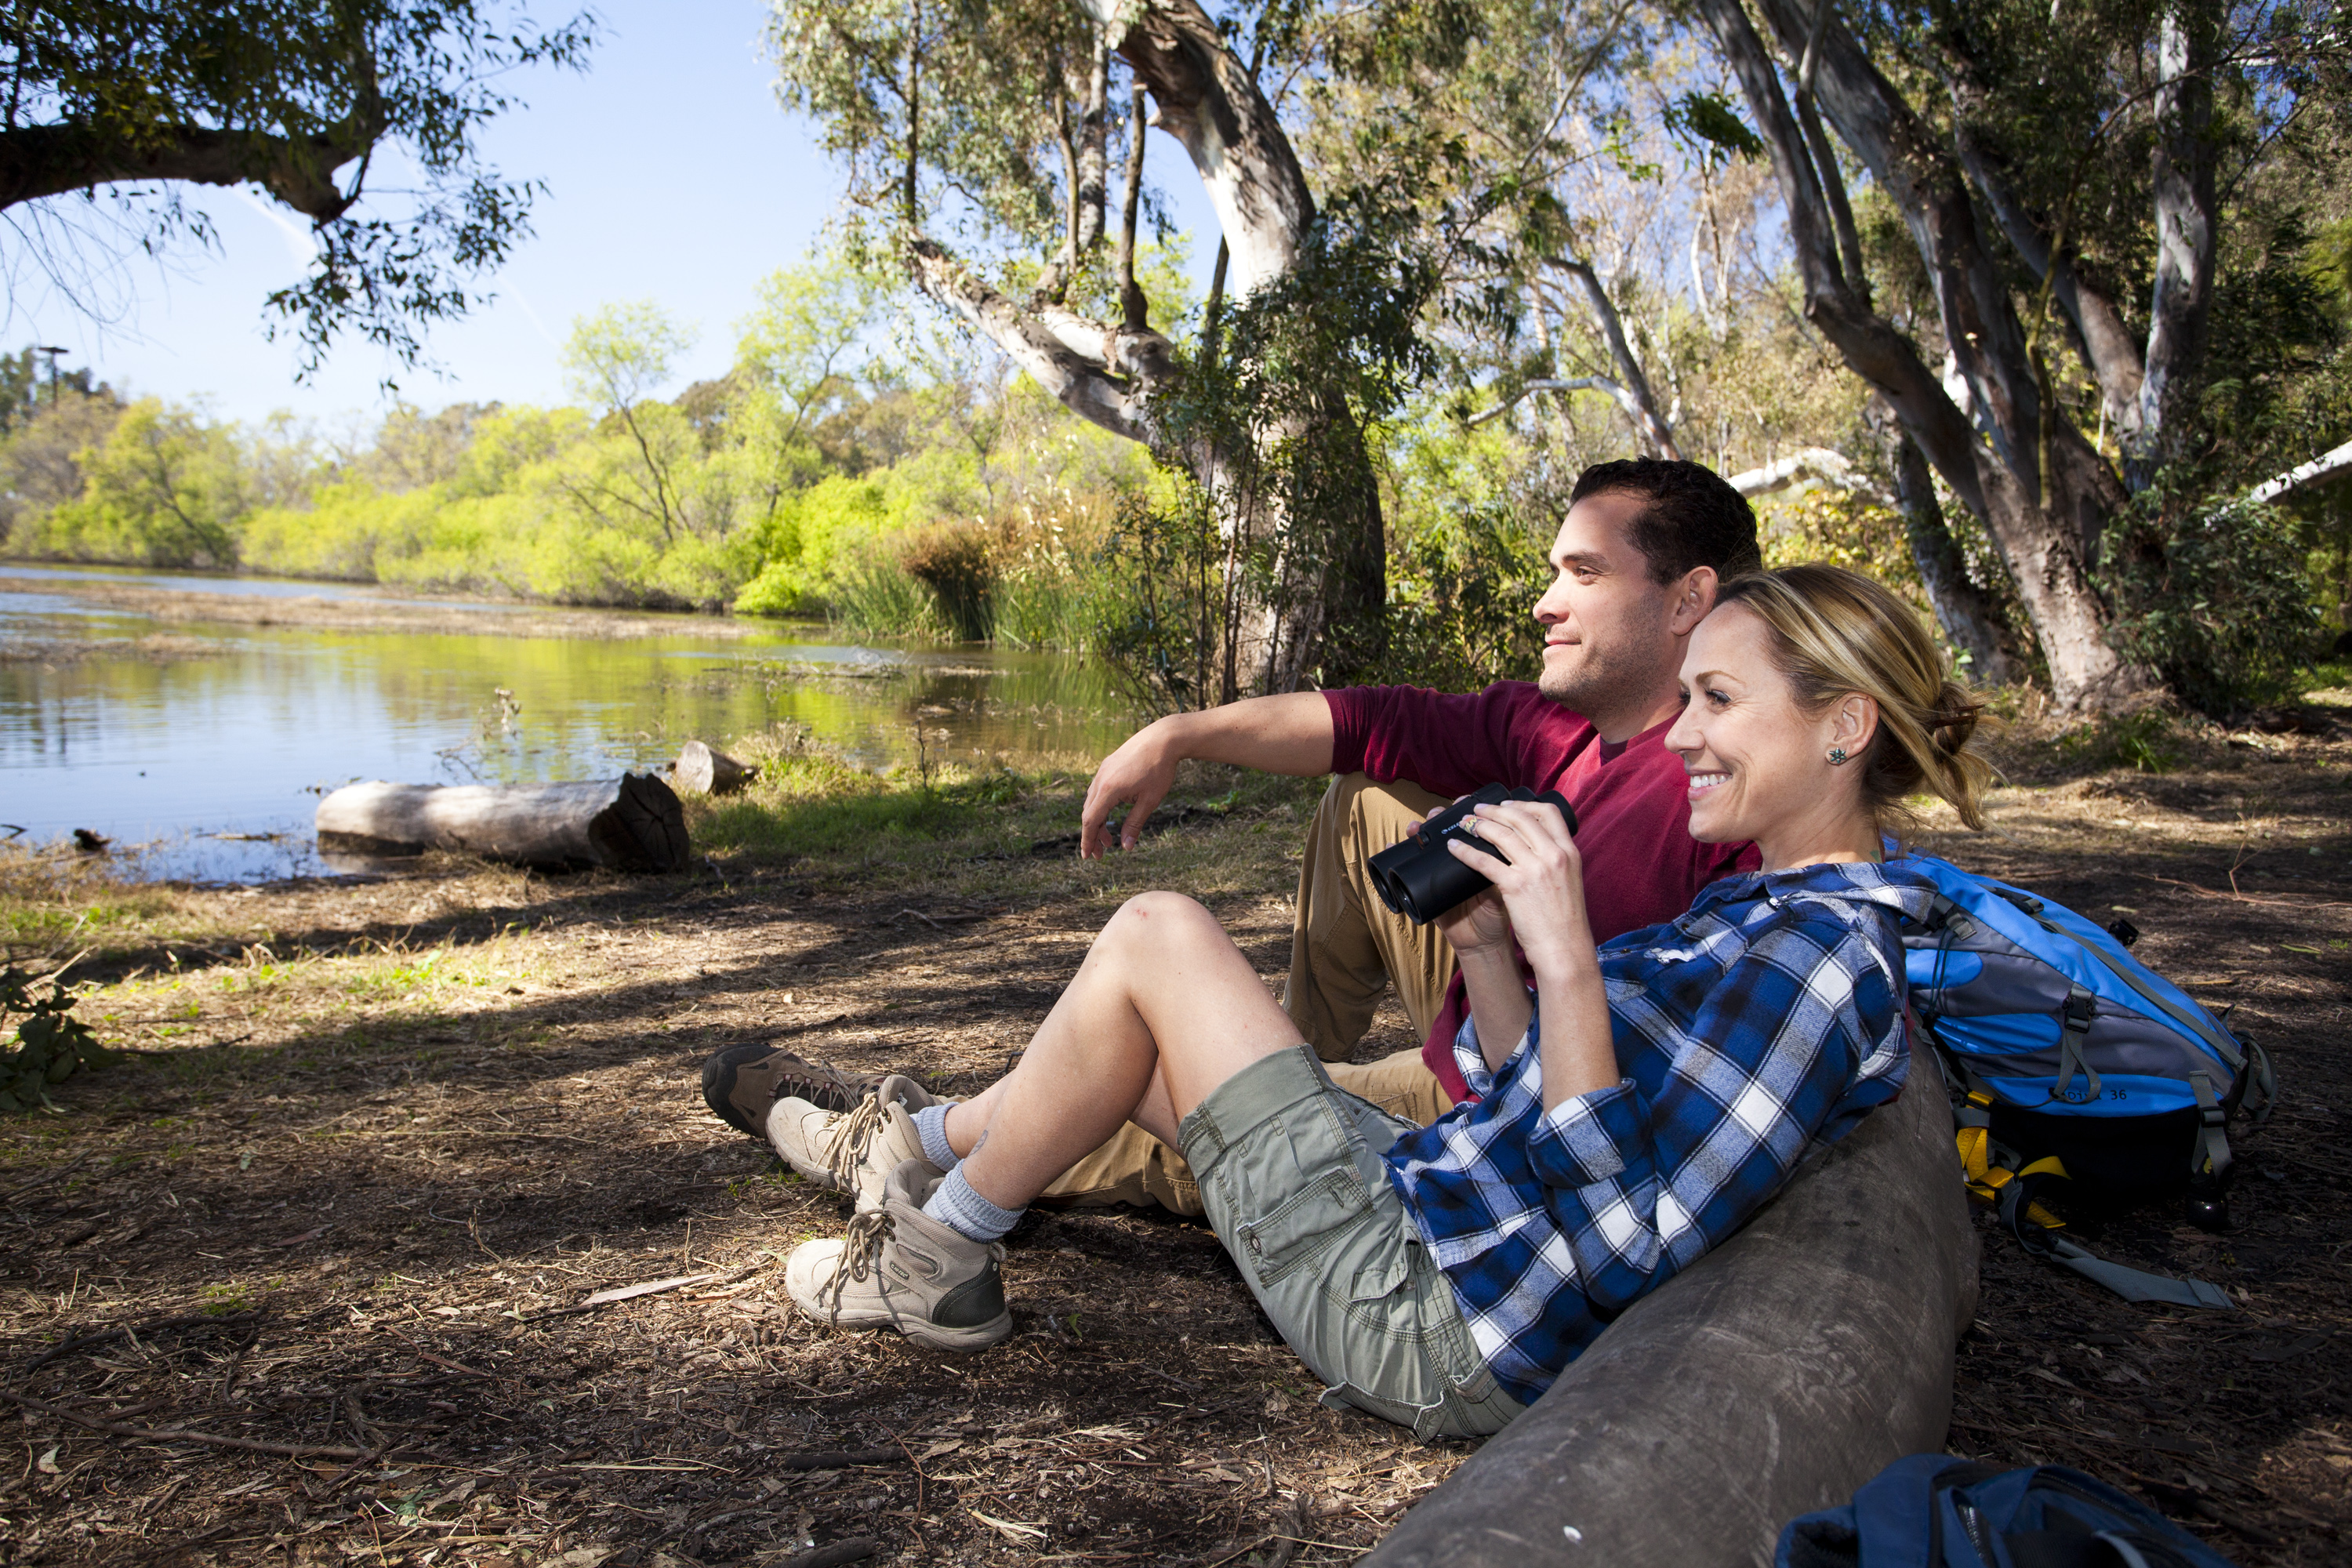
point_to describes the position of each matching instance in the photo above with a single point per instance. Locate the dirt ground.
(383, 1139)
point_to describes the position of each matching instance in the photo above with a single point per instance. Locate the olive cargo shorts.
(1290, 1174)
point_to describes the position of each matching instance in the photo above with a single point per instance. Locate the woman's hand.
(1539, 897)
(1542, 893)
(1477, 924)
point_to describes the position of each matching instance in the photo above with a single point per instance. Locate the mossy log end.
(633, 823)
(1772, 1378)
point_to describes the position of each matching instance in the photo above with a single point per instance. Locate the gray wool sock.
(959, 1207)
(932, 1127)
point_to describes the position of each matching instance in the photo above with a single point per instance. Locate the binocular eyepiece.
(1420, 878)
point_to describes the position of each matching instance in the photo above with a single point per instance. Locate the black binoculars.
(1420, 878)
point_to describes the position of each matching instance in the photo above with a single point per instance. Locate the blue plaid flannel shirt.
(1766, 1019)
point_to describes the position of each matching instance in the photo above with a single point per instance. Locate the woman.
(1441, 1277)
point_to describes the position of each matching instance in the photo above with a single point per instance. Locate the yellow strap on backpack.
(1985, 1179)
(2049, 1165)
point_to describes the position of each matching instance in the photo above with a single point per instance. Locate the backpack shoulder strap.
(2017, 1214)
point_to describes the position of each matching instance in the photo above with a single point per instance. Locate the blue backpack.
(2070, 1060)
(1932, 1510)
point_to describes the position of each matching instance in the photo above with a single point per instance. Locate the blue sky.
(673, 176)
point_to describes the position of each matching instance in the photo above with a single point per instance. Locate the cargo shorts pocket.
(1302, 1225)
(1387, 1271)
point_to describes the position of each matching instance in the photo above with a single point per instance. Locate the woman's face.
(1759, 765)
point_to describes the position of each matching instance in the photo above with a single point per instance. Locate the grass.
(1007, 832)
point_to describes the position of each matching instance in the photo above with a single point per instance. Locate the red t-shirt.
(1642, 866)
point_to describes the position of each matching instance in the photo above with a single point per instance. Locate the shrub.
(956, 563)
(1461, 597)
(2213, 597)
(51, 1043)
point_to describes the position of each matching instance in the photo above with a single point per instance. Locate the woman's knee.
(1159, 923)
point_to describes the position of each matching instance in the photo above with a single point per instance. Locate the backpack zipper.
(1979, 1536)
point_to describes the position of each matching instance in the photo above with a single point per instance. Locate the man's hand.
(1288, 734)
(1137, 775)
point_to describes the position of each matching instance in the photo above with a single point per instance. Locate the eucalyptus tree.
(2067, 177)
(981, 144)
(115, 109)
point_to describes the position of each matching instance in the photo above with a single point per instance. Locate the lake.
(167, 712)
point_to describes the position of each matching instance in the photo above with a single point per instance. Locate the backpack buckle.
(2080, 1009)
(2075, 1021)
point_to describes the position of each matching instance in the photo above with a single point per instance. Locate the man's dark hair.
(1695, 517)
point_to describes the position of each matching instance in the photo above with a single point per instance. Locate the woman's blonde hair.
(1836, 633)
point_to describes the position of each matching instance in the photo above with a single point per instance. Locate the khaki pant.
(1346, 949)
(1290, 1166)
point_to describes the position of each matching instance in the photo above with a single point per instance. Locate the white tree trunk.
(1205, 97)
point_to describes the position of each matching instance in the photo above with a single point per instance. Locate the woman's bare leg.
(1163, 1010)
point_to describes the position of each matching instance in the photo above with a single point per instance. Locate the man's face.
(1607, 628)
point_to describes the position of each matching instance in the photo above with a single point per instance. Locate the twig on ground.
(13, 1193)
(237, 1362)
(918, 1472)
(2236, 897)
(649, 1287)
(1236, 1552)
(100, 1336)
(856, 1549)
(842, 1458)
(436, 1361)
(352, 1472)
(178, 1434)
(1298, 1517)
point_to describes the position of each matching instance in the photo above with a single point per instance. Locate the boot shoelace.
(859, 1249)
(851, 1139)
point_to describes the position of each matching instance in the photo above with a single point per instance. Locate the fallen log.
(1773, 1377)
(703, 769)
(630, 823)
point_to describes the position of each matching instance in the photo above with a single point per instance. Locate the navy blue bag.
(1932, 1510)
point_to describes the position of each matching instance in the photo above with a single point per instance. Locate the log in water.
(629, 824)
(1772, 1378)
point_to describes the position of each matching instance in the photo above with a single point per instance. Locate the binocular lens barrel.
(1420, 878)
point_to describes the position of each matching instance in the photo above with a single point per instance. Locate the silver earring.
(1837, 756)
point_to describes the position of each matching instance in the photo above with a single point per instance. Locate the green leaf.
(1708, 116)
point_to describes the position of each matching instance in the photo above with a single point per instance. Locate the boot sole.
(925, 1332)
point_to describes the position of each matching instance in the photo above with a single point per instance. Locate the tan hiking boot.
(742, 1083)
(851, 1151)
(900, 1269)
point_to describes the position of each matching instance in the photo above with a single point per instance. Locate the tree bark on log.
(633, 823)
(703, 769)
(1773, 1377)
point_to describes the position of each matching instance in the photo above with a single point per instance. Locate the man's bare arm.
(1288, 735)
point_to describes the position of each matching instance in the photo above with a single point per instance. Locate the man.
(1637, 562)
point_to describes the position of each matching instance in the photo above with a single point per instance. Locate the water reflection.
(169, 736)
